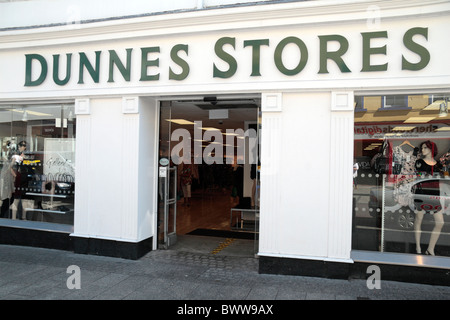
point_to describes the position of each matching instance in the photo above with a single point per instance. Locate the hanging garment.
(406, 175)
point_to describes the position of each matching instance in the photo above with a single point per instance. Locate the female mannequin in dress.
(428, 165)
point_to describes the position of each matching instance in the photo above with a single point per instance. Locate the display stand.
(52, 205)
(242, 215)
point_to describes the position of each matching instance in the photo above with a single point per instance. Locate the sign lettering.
(225, 49)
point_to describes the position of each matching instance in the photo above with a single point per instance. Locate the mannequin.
(428, 165)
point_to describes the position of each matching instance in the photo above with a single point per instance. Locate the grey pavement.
(189, 271)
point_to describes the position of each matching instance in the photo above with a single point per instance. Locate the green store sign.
(149, 59)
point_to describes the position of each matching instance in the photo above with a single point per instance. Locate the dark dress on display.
(428, 187)
(422, 166)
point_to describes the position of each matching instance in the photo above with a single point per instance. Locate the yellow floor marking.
(222, 245)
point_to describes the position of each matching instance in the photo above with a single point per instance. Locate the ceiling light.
(180, 121)
(34, 113)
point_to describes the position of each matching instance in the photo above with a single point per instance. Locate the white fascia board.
(373, 86)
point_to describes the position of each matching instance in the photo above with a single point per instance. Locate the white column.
(130, 166)
(271, 152)
(116, 164)
(340, 189)
(148, 169)
(82, 185)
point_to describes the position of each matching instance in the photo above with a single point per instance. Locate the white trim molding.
(130, 105)
(342, 101)
(220, 19)
(271, 102)
(82, 107)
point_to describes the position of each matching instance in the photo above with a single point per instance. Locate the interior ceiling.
(240, 110)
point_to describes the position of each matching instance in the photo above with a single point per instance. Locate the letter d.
(28, 70)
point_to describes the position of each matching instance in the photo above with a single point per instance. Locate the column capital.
(82, 106)
(130, 105)
(271, 102)
(342, 101)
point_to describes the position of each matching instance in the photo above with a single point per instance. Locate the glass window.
(38, 162)
(401, 188)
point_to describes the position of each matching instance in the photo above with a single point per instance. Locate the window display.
(37, 177)
(402, 190)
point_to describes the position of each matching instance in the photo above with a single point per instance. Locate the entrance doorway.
(209, 169)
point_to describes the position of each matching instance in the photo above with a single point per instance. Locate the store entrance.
(209, 169)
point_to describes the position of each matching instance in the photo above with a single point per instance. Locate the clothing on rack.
(445, 162)
(405, 163)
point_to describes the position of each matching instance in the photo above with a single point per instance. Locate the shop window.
(38, 163)
(394, 102)
(359, 104)
(401, 189)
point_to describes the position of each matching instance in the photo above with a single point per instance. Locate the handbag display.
(380, 162)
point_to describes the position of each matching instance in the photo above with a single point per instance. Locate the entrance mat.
(224, 234)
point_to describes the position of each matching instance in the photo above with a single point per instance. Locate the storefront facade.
(326, 73)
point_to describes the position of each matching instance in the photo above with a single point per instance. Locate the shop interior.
(398, 205)
(38, 163)
(218, 190)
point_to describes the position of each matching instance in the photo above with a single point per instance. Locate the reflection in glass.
(38, 162)
(402, 187)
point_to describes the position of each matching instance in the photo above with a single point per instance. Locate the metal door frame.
(170, 236)
(168, 173)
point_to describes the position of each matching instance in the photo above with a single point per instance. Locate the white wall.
(148, 165)
(297, 190)
(115, 175)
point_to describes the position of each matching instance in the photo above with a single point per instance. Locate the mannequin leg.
(418, 229)
(438, 224)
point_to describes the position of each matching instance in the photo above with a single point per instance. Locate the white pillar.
(116, 180)
(341, 164)
(271, 184)
(82, 161)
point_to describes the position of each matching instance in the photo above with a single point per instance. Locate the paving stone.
(41, 274)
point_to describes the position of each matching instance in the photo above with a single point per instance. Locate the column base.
(356, 270)
(112, 248)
